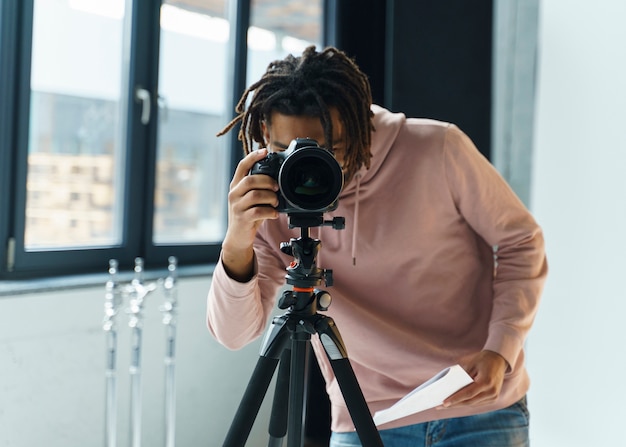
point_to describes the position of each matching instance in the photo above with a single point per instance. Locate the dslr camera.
(309, 177)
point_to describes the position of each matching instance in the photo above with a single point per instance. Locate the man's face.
(282, 129)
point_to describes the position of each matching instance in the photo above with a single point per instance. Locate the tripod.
(287, 341)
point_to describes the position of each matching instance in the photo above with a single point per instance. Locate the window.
(108, 119)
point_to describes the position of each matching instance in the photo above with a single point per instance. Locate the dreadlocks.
(309, 85)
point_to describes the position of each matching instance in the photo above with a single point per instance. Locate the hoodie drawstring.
(355, 220)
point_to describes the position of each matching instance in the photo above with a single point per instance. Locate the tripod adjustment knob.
(338, 223)
(287, 300)
(286, 248)
(323, 299)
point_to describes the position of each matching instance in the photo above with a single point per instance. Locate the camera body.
(309, 177)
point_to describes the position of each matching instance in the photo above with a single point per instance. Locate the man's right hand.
(251, 200)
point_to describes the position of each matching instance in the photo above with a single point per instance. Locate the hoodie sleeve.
(498, 216)
(238, 313)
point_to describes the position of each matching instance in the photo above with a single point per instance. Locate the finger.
(259, 198)
(253, 190)
(462, 396)
(477, 393)
(261, 213)
(260, 181)
(244, 166)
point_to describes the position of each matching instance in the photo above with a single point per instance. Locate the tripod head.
(303, 272)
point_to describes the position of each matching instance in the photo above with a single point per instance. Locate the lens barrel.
(310, 179)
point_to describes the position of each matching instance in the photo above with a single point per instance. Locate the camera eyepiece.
(309, 177)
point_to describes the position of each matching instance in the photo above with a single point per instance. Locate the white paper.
(428, 395)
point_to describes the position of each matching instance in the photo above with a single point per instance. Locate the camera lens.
(310, 179)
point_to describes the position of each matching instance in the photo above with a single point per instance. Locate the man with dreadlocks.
(440, 263)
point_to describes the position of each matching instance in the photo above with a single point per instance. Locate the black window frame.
(16, 26)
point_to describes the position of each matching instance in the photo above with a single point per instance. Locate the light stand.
(138, 291)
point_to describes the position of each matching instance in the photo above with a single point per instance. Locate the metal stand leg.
(169, 320)
(112, 301)
(138, 291)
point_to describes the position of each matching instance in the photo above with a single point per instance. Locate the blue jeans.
(501, 428)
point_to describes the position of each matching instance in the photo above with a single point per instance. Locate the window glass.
(280, 27)
(75, 159)
(192, 174)
(192, 164)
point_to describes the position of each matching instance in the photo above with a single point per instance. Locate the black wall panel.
(440, 63)
(426, 58)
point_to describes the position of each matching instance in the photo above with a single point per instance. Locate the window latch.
(11, 254)
(143, 96)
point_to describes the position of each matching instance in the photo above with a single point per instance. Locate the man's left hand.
(487, 368)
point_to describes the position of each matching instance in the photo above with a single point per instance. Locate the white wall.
(577, 352)
(52, 361)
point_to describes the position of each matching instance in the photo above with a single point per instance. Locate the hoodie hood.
(387, 125)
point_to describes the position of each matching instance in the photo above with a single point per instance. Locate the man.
(440, 263)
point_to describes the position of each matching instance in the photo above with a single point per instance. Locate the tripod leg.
(352, 394)
(280, 405)
(251, 403)
(300, 348)
(273, 344)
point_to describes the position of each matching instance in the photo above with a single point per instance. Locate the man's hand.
(251, 200)
(487, 368)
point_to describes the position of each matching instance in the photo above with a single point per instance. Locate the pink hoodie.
(415, 283)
